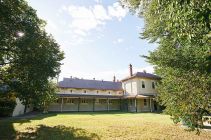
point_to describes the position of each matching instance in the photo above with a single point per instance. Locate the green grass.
(87, 126)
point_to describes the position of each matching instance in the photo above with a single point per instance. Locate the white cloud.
(118, 40)
(100, 12)
(116, 10)
(88, 18)
(98, 1)
(148, 69)
(51, 27)
(80, 32)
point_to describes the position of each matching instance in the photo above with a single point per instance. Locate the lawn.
(87, 126)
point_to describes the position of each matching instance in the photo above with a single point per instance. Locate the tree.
(7, 95)
(183, 33)
(31, 56)
(47, 97)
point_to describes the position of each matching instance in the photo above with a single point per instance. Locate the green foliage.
(47, 97)
(183, 60)
(7, 104)
(30, 55)
(7, 95)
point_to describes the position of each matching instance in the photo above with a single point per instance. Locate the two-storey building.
(135, 93)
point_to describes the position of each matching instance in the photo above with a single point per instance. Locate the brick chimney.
(114, 79)
(131, 70)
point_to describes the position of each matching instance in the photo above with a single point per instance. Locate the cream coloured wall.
(134, 86)
(148, 86)
(130, 86)
(98, 104)
(141, 107)
(89, 91)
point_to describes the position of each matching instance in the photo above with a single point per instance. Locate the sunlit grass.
(97, 126)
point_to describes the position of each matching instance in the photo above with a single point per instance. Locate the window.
(145, 102)
(97, 91)
(59, 100)
(153, 85)
(69, 101)
(131, 102)
(111, 101)
(143, 84)
(102, 101)
(84, 91)
(71, 91)
(97, 101)
(84, 101)
(109, 92)
(120, 92)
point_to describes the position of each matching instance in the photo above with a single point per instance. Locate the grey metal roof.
(89, 84)
(139, 96)
(143, 75)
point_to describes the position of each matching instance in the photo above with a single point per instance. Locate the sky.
(99, 37)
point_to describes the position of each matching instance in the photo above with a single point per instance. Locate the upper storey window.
(153, 85)
(142, 84)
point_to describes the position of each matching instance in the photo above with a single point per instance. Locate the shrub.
(7, 104)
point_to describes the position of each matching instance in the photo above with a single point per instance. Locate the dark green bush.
(7, 105)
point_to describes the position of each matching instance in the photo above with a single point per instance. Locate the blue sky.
(99, 38)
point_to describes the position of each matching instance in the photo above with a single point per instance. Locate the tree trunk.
(25, 108)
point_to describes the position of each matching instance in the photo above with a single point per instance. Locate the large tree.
(30, 56)
(182, 30)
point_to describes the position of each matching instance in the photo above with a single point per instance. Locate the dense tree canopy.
(29, 57)
(182, 30)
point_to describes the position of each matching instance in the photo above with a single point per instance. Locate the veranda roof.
(139, 96)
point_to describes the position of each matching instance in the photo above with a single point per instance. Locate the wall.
(144, 108)
(19, 108)
(54, 107)
(140, 105)
(71, 106)
(130, 86)
(148, 86)
(99, 105)
(114, 105)
(134, 86)
(89, 91)
(131, 105)
(86, 106)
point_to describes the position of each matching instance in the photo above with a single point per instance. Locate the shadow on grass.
(7, 131)
(59, 132)
(42, 132)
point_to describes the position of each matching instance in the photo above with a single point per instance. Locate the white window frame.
(143, 84)
(84, 101)
(145, 102)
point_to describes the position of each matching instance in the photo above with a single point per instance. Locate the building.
(135, 93)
